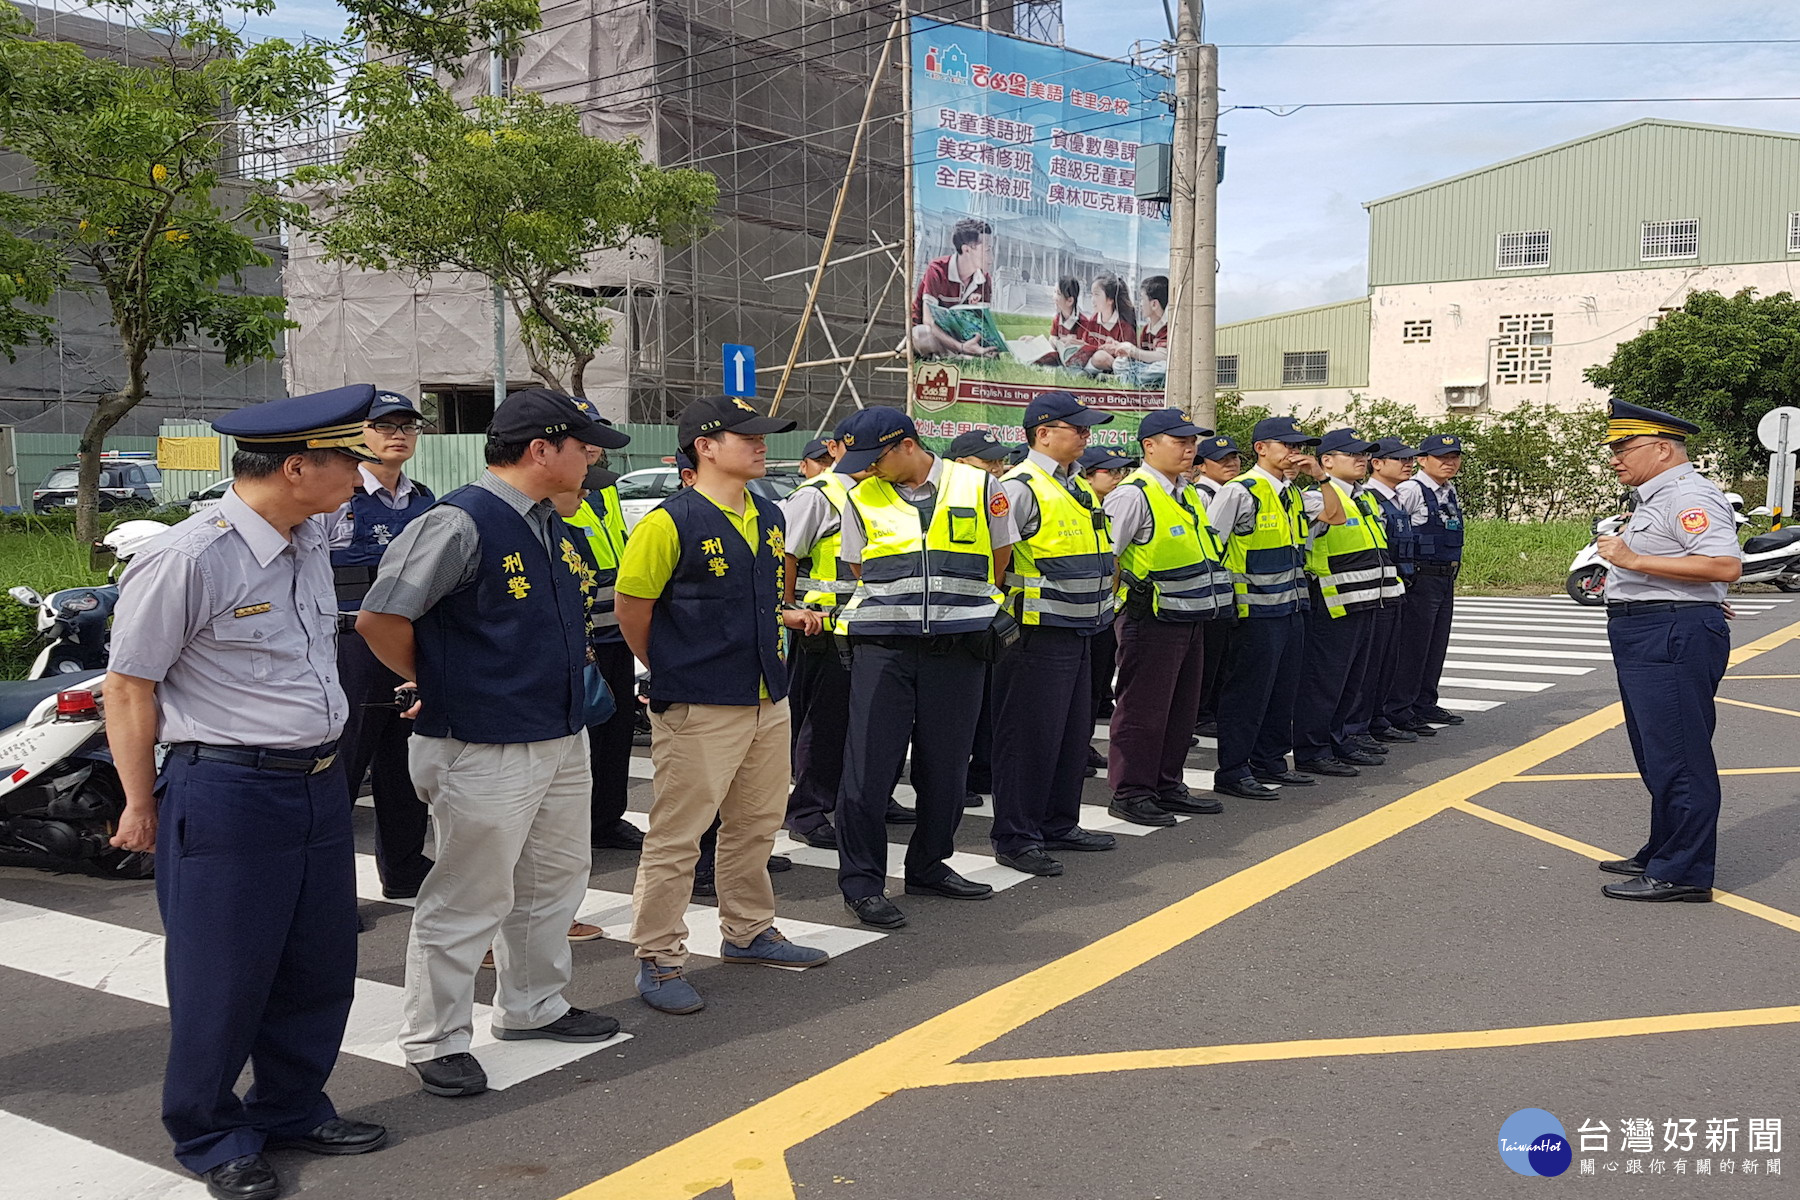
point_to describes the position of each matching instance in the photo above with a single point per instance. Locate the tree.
(512, 190)
(128, 198)
(1719, 361)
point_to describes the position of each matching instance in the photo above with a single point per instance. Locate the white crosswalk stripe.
(42, 1161)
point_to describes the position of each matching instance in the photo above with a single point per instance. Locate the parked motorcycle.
(60, 798)
(73, 622)
(1772, 557)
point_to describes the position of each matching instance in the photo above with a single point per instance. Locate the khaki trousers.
(512, 864)
(725, 760)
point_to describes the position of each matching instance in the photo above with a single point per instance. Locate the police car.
(127, 480)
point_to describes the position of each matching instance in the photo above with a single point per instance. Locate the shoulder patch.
(999, 505)
(1694, 520)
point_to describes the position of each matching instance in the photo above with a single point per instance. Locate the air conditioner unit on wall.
(1464, 396)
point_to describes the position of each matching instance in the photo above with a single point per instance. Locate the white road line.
(1458, 704)
(1525, 641)
(1525, 625)
(1516, 668)
(42, 1161)
(1494, 685)
(1509, 652)
(128, 962)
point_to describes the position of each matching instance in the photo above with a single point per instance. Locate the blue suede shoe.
(772, 949)
(664, 989)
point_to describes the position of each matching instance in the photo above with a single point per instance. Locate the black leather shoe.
(1361, 758)
(1032, 861)
(452, 1075)
(1083, 840)
(1422, 729)
(1319, 766)
(898, 814)
(1291, 778)
(247, 1178)
(1395, 734)
(1207, 729)
(952, 887)
(576, 1025)
(1623, 866)
(1185, 801)
(971, 799)
(400, 893)
(336, 1136)
(779, 863)
(878, 911)
(623, 835)
(704, 885)
(1140, 810)
(1645, 888)
(823, 838)
(1245, 789)
(1096, 759)
(1442, 716)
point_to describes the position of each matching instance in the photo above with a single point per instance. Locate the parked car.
(126, 481)
(641, 491)
(199, 502)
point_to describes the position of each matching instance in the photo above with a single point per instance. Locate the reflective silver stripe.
(606, 594)
(1368, 575)
(1061, 608)
(842, 587)
(1193, 603)
(1273, 579)
(1392, 588)
(1287, 597)
(1360, 596)
(909, 614)
(1015, 580)
(914, 586)
(606, 620)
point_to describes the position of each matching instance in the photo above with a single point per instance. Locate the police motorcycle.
(1772, 557)
(72, 622)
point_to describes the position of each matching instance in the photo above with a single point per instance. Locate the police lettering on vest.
(823, 583)
(1061, 574)
(1182, 564)
(919, 580)
(1266, 563)
(1350, 562)
(521, 598)
(372, 526)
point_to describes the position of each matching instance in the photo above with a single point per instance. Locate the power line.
(1288, 110)
(1500, 45)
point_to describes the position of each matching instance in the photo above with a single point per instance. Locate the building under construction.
(768, 96)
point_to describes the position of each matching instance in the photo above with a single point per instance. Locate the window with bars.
(1522, 349)
(1794, 233)
(1670, 239)
(1521, 251)
(1301, 367)
(1415, 332)
(1226, 370)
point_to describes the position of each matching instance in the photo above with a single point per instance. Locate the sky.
(1292, 230)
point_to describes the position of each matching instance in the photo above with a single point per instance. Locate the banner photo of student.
(1039, 270)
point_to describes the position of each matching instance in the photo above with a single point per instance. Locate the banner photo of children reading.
(1039, 270)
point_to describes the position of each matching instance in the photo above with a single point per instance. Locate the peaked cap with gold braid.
(330, 420)
(1627, 420)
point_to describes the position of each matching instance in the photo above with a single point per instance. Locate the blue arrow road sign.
(740, 370)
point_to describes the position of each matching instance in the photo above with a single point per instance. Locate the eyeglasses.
(1622, 451)
(389, 428)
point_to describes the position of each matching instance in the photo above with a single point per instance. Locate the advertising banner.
(1039, 270)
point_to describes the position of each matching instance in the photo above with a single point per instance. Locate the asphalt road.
(1343, 992)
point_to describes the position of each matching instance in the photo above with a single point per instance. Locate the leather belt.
(1428, 568)
(1639, 608)
(346, 622)
(266, 760)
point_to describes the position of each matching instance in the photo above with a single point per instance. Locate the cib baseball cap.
(720, 414)
(540, 413)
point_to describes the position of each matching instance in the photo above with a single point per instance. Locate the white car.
(641, 491)
(199, 502)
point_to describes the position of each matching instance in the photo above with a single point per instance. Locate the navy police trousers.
(1669, 666)
(1043, 723)
(255, 877)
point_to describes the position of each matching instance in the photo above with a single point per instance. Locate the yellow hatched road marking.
(1785, 712)
(1635, 775)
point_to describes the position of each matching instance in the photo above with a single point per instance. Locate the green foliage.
(1520, 557)
(512, 190)
(440, 32)
(1719, 361)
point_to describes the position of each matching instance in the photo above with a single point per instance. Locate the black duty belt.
(1641, 608)
(934, 643)
(296, 761)
(1431, 568)
(346, 622)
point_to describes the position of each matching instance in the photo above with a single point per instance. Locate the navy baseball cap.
(1440, 444)
(977, 443)
(1099, 458)
(1062, 406)
(1345, 441)
(535, 413)
(1282, 429)
(869, 434)
(1393, 448)
(1018, 454)
(816, 449)
(1171, 421)
(683, 462)
(719, 414)
(1216, 448)
(388, 404)
(331, 420)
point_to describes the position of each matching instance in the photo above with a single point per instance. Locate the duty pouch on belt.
(1001, 635)
(1140, 601)
(840, 645)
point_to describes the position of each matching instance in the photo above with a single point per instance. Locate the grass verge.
(1523, 558)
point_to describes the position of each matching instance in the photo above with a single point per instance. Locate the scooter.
(60, 798)
(72, 622)
(1772, 557)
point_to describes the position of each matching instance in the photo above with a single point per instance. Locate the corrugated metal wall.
(1593, 196)
(39, 454)
(1341, 329)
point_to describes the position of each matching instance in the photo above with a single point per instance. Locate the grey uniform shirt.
(440, 552)
(809, 518)
(1411, 495)
(1680, 513)
(1408, 498)
(1023, 501)
(1129, 511)
(1233, 509)
(237, 626)
(1001, 528)
(339, 528)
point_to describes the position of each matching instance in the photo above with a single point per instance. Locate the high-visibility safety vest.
(1441, 536)
(1061, 574)
(605, 529)
(822, 582)
(916, 580)
(1182, 564)
(1267, 563)
(1350, 562)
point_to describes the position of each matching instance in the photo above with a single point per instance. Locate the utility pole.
(1178, 387)
(497, 87)
(1203, 307)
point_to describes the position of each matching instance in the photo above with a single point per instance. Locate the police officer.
(1176, 591)
(1217, 461)
(1665, 596)
(1059, 589)
(1264, 521)
(483, 601)
(1426, 637)
(374, 739)
(224, 649)
(1350, 577)
(1104, 470)
(819, 683)
(927, 538)
(977, 448)
(1390, 465)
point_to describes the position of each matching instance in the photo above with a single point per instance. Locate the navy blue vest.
(715, 635)
(1403, 543)
(1441, 536)
(501, 659)
(372, 526)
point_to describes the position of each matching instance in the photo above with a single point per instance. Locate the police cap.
(1344, 441)
(330, 420)
(1064, 407)
(977, 443)
(816, 449)
(1627, 420)
(869, 434)
(1282, 429)
(1439, 444)
(1099, 458)
(1393, 448)
(1171, 421)
(533, 413)
(1216, 448)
